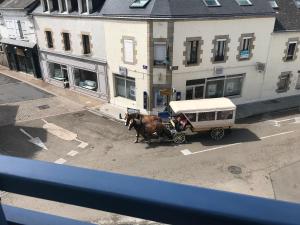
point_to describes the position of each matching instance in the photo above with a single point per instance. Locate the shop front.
(81, 75)
(22, 57)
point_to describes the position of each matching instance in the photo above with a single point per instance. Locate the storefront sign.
(166, 92)
(122, 71)
(145, 97)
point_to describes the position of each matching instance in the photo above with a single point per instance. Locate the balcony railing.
(132, 196)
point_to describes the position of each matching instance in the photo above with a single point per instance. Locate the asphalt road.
(260, 157)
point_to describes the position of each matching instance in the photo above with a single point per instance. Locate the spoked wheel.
(217, 133)
(179, 138)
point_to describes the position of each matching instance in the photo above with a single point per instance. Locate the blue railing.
(132, 196)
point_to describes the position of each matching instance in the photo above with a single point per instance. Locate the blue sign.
(178, 96)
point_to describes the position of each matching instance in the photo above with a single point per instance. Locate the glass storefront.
(58, 72)
(85, 79)
(125, 87)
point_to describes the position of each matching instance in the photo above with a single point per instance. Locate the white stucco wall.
(276, 66)
(75, 26)
(114, 32)
(207, 30)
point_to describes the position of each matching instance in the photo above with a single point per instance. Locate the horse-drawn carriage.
(213, 115)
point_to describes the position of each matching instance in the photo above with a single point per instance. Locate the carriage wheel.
(217, 133)
(179, 138)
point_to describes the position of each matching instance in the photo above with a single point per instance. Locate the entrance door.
(21, 63)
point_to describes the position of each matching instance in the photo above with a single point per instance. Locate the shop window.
(66, 41)
(191, 116)
(58, 72)
(86, 44)
(225, 115)
(214, 88)
(85, 79)
(125, 87)
(284, 82)
(233, 86)
(49, 39)
(128, 46)
(206, 116)
(160, 53)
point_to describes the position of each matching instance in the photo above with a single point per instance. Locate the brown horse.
(143, 118)
(148, 130)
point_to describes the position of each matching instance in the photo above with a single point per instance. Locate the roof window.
(139, 3)
(212, 3)
(274, 4)
(244, 2)
(297, 2)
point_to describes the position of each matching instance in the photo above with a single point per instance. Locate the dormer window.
(297, 2)
(244, 2)
(273, 4)
(139, 4)
(212, 3)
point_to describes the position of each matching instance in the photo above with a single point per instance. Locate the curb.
(105, 115)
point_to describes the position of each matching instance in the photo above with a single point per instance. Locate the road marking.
(82, 144)
(60, 161)
(275, 135)
(36, 141)
(72, 153)
(187, 152)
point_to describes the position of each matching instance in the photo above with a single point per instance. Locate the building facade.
(18, 40)
(72, 46)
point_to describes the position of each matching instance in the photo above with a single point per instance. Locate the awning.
(202, 105)
(25, 44)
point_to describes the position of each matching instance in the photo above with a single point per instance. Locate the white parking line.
(72, 153)
(274, 135)
(60, 161)
(187, 152)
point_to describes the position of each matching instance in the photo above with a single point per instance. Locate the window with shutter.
(160, 53)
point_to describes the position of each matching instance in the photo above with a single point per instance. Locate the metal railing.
(132, 196)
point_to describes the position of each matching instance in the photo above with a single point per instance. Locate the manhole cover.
(42, 107)
(235, 169)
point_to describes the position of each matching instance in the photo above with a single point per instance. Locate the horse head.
(131, 116)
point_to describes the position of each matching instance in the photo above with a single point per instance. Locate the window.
(191, 116)
(225, 115)
(246, 48)
(66, 41)
(297, 2)
(206, 116)
(291, 51)
(284, 82)
(125, 87)
(212, 3)
(49, 39)
(139, 4)
(128, 46)
(220, 50)
(273, 4)
(63, 6)
(74, 5)
(46, 8)
(20, 29)
(244, 2)
(58, 72)
(214, 88)
(298, 82)
(192, 52)
(84, 6)
(160, 53)
(85, 79)
(86, 44)
(55, 5)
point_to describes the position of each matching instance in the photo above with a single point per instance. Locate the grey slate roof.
(17, 4)
(185, 8)
(288, 16)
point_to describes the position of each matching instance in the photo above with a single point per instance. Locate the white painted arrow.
(37, 141)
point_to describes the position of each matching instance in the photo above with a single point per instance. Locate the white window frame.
(216, 5)
(241, 4)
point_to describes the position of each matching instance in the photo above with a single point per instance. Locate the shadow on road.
(13, 142)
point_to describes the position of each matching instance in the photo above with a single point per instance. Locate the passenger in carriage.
(180, 122)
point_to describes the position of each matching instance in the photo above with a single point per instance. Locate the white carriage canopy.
(202, 105)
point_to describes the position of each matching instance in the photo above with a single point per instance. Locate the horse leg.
(137, 137)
